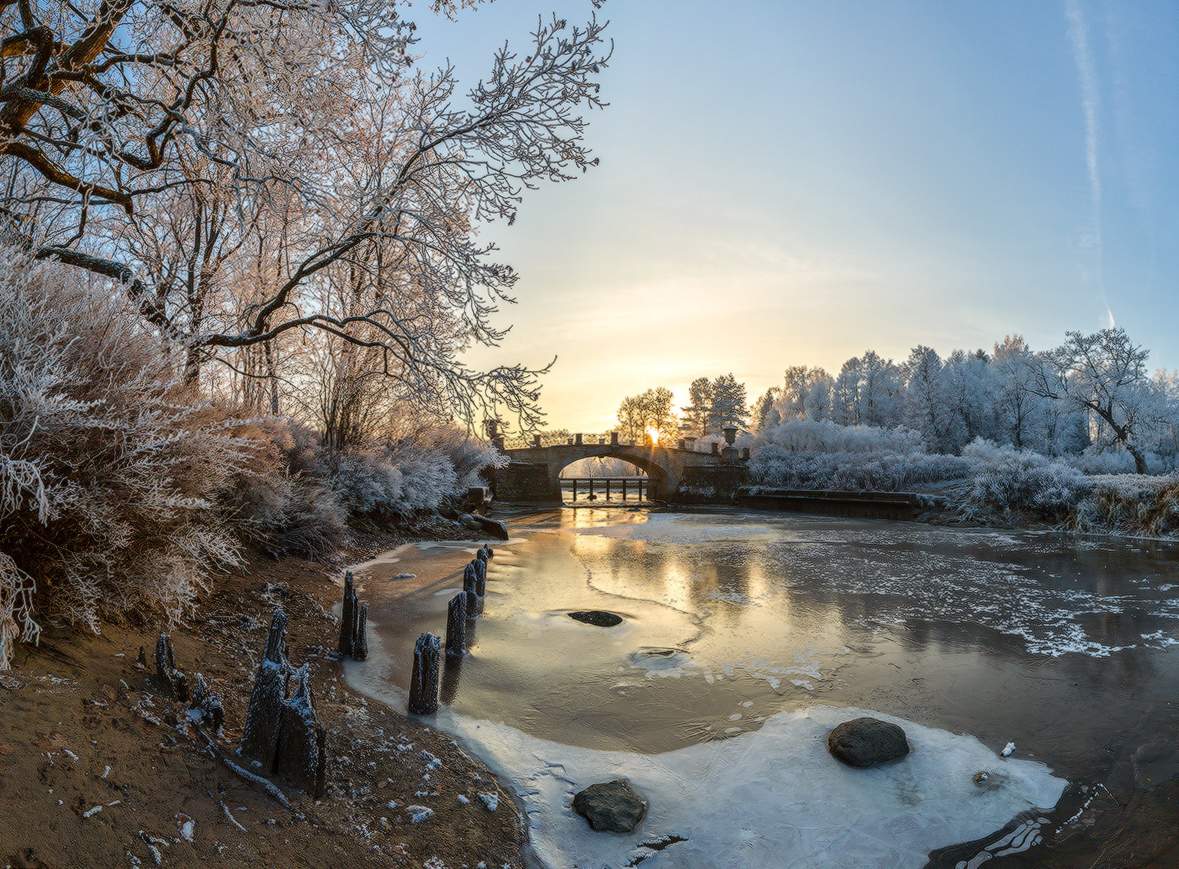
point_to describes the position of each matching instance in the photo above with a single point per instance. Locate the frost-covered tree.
(921, 401)
(765, 411)
(967, 396)
(650, 410)
(1018, 408)
(799, 398)
(695, 415)
(1104, 374)
(728, 405)
(311, 123)
(867, 391)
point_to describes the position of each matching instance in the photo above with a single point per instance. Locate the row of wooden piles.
(461, 612)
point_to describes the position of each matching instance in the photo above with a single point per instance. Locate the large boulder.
(492, 527)
(611, 806)
(865, 742)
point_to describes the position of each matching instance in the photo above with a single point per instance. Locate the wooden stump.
(173, 679)
(423, 685)
(301, 758)
(283, 733)
(264, 713)
(456, 626)
(472, 605)
(208, 704)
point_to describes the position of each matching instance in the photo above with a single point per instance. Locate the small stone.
(612, 806)
(865, 742)
(600, 618)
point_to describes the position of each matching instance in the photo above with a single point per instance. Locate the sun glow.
(653, 434)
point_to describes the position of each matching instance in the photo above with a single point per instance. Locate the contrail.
(1078, 33)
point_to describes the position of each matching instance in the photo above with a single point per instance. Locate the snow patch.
(417, 814)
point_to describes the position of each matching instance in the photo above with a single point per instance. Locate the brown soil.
(83, 726)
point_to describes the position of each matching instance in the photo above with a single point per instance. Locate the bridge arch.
(534, 473)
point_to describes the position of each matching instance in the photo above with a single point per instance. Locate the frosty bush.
(412, 475)
(109, 471)
(885, 472)
(808, 454)
(281, 503)
(810, 436)
(1009, 479)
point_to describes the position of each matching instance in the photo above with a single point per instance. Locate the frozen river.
(746, 636)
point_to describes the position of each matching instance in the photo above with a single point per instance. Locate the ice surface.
(767, 797)
(913, 573)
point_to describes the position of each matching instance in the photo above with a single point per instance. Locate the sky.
(791, 183)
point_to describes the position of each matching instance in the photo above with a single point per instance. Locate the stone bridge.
(534, 473)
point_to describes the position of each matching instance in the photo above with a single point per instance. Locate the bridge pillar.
(614, 438)
(577, 439)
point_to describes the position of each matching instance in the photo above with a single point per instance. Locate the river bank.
(98, 769)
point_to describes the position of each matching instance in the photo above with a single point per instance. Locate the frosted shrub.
(806, 454)
(466, 455)
(367, 483)
(1108, 462)
(412, 476)
(283, 503)
(886, 472)
(810, 436)
(1009, 479)
(109, 471)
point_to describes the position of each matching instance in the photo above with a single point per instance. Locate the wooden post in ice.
(348, 616)
(456, 625)
(423, 683)
(360, 640)
(353, 623)
(480, 576)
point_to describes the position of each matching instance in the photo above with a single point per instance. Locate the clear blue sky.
(787, 182)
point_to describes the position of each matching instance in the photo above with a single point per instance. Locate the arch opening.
(607, 480)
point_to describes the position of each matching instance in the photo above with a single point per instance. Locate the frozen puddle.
(769, 797)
